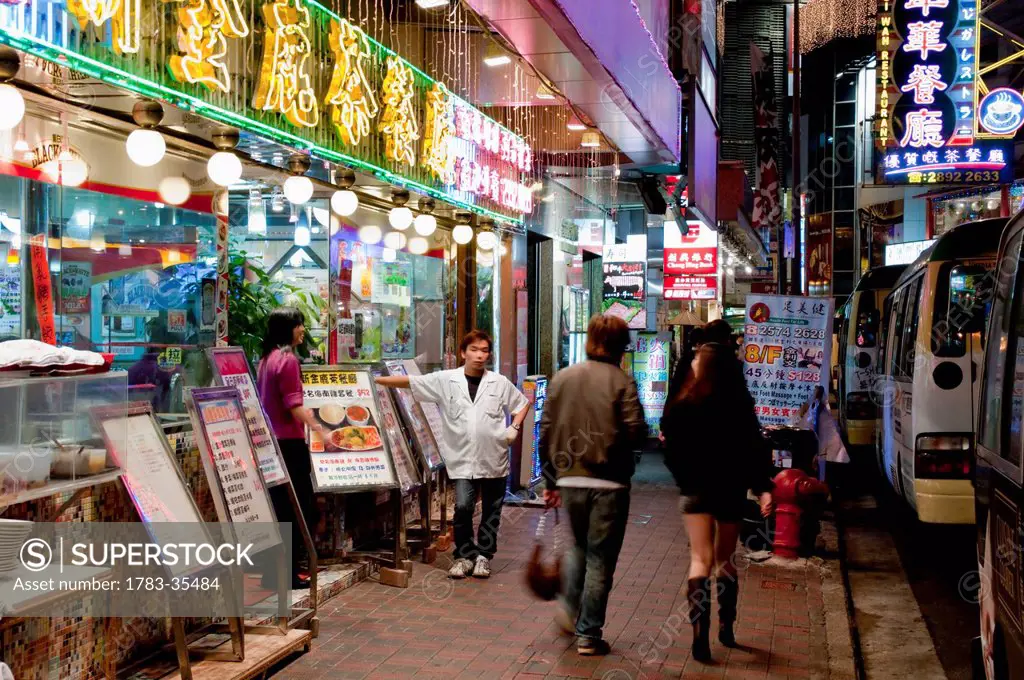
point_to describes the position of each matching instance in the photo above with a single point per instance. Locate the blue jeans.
(492, 492)
(598, 520)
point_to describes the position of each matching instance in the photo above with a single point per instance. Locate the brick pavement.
(493, 628)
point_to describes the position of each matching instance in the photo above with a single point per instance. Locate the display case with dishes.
(57, 433)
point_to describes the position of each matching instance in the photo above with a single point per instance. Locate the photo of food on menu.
(351, 429)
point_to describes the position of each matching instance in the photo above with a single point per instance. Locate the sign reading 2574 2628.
(928, 114)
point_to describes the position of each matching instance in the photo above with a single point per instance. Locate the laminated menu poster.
(231, 368)
(231, 467)
(650, 370)
(137, 445)
(624, 291)
(416, 420)
(787, 343)
(353, 456)
(407, 469)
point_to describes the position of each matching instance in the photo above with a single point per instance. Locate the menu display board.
(406, 467)
(624, 292)
(786, 350)
(231, 368)
(416, 419)
(151, 476)
(229, 459)
(353, 456)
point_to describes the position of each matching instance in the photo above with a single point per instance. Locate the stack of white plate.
(13, 533)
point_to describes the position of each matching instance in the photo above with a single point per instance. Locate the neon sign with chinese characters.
(927, 84)
(269, 68)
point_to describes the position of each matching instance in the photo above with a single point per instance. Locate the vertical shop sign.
(767, 207)
(75, 286)
(231, 368)
(353, 455)
(624, 292)
(650, 370)
(927, 96)
(786, 352)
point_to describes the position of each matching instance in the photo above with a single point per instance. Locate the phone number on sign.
(798, 332)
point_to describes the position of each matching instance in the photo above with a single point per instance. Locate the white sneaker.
(461, 568)
(482, 569)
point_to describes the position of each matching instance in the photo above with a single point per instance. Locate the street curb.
(842, 641)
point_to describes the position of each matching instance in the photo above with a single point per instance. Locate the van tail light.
(860, 406)
(944, 457)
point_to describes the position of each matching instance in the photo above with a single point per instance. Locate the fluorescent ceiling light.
(495, 56)
(576, 125)
(543, 92)
(431, 4)
(591, 140)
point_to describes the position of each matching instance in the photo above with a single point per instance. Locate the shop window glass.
(844, 199)
(846, 113)
(843, 241)
(993, 397)
(13, 269)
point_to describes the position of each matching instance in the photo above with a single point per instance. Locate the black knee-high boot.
(728, 588)
(698, 593)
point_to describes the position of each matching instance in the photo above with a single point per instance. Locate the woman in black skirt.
(714, 449)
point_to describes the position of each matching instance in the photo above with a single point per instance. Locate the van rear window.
(963, 301)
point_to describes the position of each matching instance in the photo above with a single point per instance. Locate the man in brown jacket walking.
(592, 424)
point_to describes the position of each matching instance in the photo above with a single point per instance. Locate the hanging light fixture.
(146, 146)
(298, 188)
(224, 168)
(389, 255)
(68, 169)
(575, 124)
(431, 4)
(12, 104)
(302, 235)
(486, 239)
(591, 140)
(257, 213)
(395, 240)
(174, 190)
(495, 56)
(462, 234)
(544, 92)
(370, 234)
(425, 223)
(345, 201)
(418, 245)
(400, 217)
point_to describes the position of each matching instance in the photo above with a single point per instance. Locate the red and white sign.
(691, 287)
(696, 253)
(490, 160)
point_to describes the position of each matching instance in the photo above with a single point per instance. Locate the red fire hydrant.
(793, 488)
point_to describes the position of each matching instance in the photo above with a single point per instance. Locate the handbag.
(544, 576)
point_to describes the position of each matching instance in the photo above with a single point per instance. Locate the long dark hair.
(281, 325)
(718, 376)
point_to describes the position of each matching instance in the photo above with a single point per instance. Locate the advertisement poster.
(232, 369)
(392, 283)
(10, 303)
(650, 370)
(217, 413)
(177, 321)
(786, 352)
(624, 292)
(420, 425)
(359, 337)
(397, 323)
(405, 465)
(354, 454)
(75, 285)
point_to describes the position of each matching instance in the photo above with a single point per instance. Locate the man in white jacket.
(476, 404)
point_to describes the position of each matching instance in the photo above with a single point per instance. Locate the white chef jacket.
(474, 444)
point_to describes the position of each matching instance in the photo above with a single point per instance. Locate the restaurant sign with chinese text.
(298, 73)
(927, 70)
(691, 262)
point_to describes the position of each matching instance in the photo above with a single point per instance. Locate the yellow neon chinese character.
(398, 122)
(123, 16)
(439, 129)
(285, 85)
(353, 105)
(205, 26)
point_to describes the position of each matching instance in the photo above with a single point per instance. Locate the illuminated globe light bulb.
(370, 234)
(68, 170)
(486, 240)
(174, 190)
(400, 218)
(298, 189)
(12, 106)
(224, 168)
(395, 240)
(425, 225)
(503, 249)
(462, 234)
(146, 147)
(418, 245)
(485, 258)
(344, 202)
(388, 255)
(302, 236)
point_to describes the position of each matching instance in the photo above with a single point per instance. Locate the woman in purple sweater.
(279, 383)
